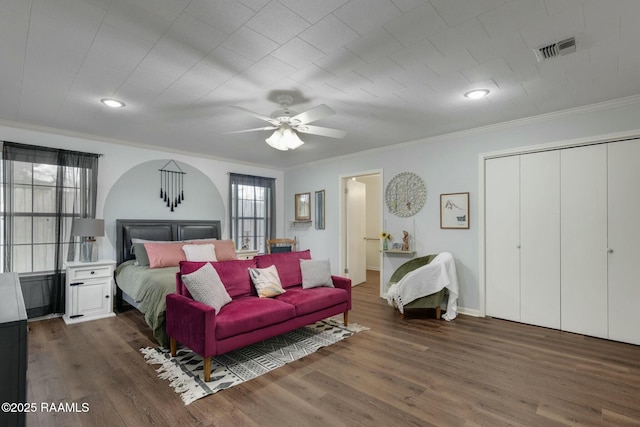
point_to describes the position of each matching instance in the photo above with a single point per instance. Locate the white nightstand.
(88, 291)
(246, 253)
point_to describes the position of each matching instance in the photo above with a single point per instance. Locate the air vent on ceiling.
(563, 47)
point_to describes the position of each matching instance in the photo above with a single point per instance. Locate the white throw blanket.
(426, 280)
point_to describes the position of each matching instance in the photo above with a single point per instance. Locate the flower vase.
(385, 245)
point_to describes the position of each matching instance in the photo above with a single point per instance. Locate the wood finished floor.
(414, 371)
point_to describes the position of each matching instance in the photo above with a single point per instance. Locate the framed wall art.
(320, 210)
(454, 210)
(303, 207)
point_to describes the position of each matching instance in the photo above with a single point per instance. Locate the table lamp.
(87, 229)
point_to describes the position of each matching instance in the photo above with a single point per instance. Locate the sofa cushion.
(234, 275)
(206, 287)
(266, 281)
(311, 300)
(316, 273)
(250, 313)
(288, 265)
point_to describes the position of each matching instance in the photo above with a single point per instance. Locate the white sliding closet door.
(624, 237)
(540, 239)
(584, 240)
(502, 222)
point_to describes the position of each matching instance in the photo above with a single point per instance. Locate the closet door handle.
(610, 250)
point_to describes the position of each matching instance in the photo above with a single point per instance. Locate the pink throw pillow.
(225, 249)
(165, 254)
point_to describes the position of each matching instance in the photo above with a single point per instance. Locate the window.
(42, 190)
(252, 211)
(35, 225)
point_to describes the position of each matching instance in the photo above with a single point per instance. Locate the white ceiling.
(393, 70)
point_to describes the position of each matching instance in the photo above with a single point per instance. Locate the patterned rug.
(229, 369)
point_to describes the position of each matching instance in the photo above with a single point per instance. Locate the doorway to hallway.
(360, 226)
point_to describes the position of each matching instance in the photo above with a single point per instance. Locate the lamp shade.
(284, 138)
(290, 139)
(86, 227)
(275, 140)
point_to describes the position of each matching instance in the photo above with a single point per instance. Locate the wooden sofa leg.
(346, 318)
(173, 346)
(438, 312)
(207, 369)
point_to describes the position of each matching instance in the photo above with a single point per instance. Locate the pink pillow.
(225, 249)
(165, 254)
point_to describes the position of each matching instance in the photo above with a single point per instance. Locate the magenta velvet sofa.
(248, 318)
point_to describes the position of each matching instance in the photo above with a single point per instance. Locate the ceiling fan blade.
(251, 130)
(254, 114)
(322, 131)
(315, 113)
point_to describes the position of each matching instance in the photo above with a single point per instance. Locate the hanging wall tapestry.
(172, 184)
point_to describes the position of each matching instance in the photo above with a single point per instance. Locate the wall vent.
(563, 47)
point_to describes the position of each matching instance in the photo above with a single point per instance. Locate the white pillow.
(205, 286)
(316, 273)
(200, 252)
(266, 281)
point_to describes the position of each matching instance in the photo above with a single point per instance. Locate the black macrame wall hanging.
(172, 184)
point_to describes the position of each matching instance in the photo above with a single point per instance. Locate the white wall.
(120, 160)
(447, 164)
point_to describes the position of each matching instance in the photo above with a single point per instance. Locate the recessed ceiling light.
(113, 103)
(477, 94)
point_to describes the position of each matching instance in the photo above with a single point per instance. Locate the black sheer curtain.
(252, 210)
(43, 190)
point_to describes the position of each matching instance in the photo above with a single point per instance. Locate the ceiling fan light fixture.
(284, 138)
(477, 93)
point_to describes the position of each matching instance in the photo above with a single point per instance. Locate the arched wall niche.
(136, 195)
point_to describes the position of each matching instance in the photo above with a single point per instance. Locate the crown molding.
(91, 137)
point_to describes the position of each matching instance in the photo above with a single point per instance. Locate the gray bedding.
(149, 288)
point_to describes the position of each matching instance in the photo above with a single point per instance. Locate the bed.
(146, 288)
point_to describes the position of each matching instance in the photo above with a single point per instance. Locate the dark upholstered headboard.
(171, 230)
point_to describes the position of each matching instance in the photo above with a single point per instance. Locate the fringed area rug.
(229, 369)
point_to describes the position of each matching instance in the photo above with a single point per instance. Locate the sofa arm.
(191, 323)
(343, 283)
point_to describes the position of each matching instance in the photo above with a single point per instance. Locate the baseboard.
(469, 312)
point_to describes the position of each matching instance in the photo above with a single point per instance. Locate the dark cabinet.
(13, 356)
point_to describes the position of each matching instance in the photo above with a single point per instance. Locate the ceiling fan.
(286, 123)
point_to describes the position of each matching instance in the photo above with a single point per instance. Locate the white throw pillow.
(200, 252)
(266, 281)
(205, 286)
(316, 273)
